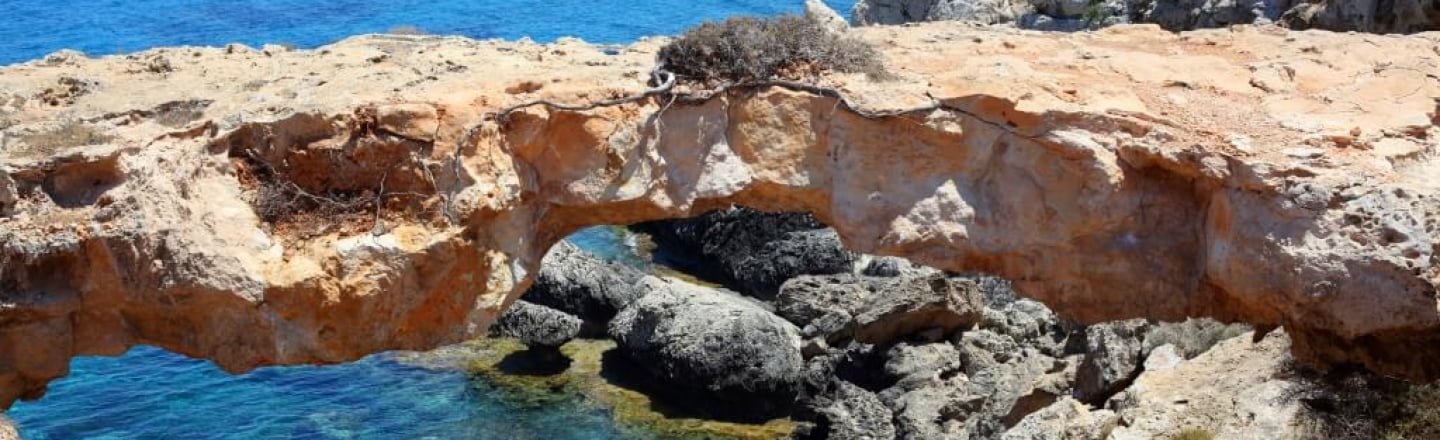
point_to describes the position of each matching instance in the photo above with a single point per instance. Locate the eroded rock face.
(1248, 174)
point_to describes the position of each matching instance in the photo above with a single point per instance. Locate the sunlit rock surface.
(221, 202)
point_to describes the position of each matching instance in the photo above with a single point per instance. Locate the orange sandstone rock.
(316, 206)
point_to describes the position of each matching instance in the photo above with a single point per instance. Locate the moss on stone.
(635, 412)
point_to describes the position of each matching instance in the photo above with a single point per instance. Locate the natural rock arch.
(1101, 213)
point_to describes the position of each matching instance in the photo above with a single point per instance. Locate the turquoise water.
(152, 394)
(33, 28)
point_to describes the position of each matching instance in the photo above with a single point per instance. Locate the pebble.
(1304, 153)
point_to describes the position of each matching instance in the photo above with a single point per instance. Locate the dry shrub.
(292, 211)
(1354, 405)
(744, 48)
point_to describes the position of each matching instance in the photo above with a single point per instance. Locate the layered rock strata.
(267, 206)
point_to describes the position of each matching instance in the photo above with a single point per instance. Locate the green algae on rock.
(529, 378)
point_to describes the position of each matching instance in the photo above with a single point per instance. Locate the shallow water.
(150, 393)
(153, 394)
(33, 28)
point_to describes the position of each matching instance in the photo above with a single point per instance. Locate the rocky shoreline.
(1385, 17)
(884, 349)
(383, 199)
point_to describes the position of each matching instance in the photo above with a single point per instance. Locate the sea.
(149, 393)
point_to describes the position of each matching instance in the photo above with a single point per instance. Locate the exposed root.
(666, 86)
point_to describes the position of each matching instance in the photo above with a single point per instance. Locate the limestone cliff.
(271, 206)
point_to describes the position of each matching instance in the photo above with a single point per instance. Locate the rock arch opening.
(1099, 207)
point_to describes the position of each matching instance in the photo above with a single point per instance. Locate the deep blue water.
(152, 394)
(33, 28)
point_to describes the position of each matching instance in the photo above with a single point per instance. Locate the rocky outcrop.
(366, 202)
(1067, 419)
(537, 325)
(1401, 16)
(1114, 352)
(932, 307)
(752, 252)
(577, 283)
(974, 385)
(848, 412)
(1236, 390)
(880, 311)
(744, 361)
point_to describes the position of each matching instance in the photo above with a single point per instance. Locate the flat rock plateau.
(276, 206)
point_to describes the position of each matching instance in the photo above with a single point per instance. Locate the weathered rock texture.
(749, 251)
(1380, 16)
(715, 347)
(1237, 390)
(575, 282)
(220, 202)
(537, 325)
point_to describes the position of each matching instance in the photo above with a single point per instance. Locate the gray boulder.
(997, 384)
(1113, 355)
(575, 282)
(1028, 323)
(1198, 14)
(846, 412)
(749, 251)
(1192, 336)
(1066, 419)
(699, 340)
(975, 389)
(999, 396)
(537, 325)
(931, 412)
(911, 363)
(932, 307)
(807, 298)
(761, 273)
(880, 311)
(894, 267)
